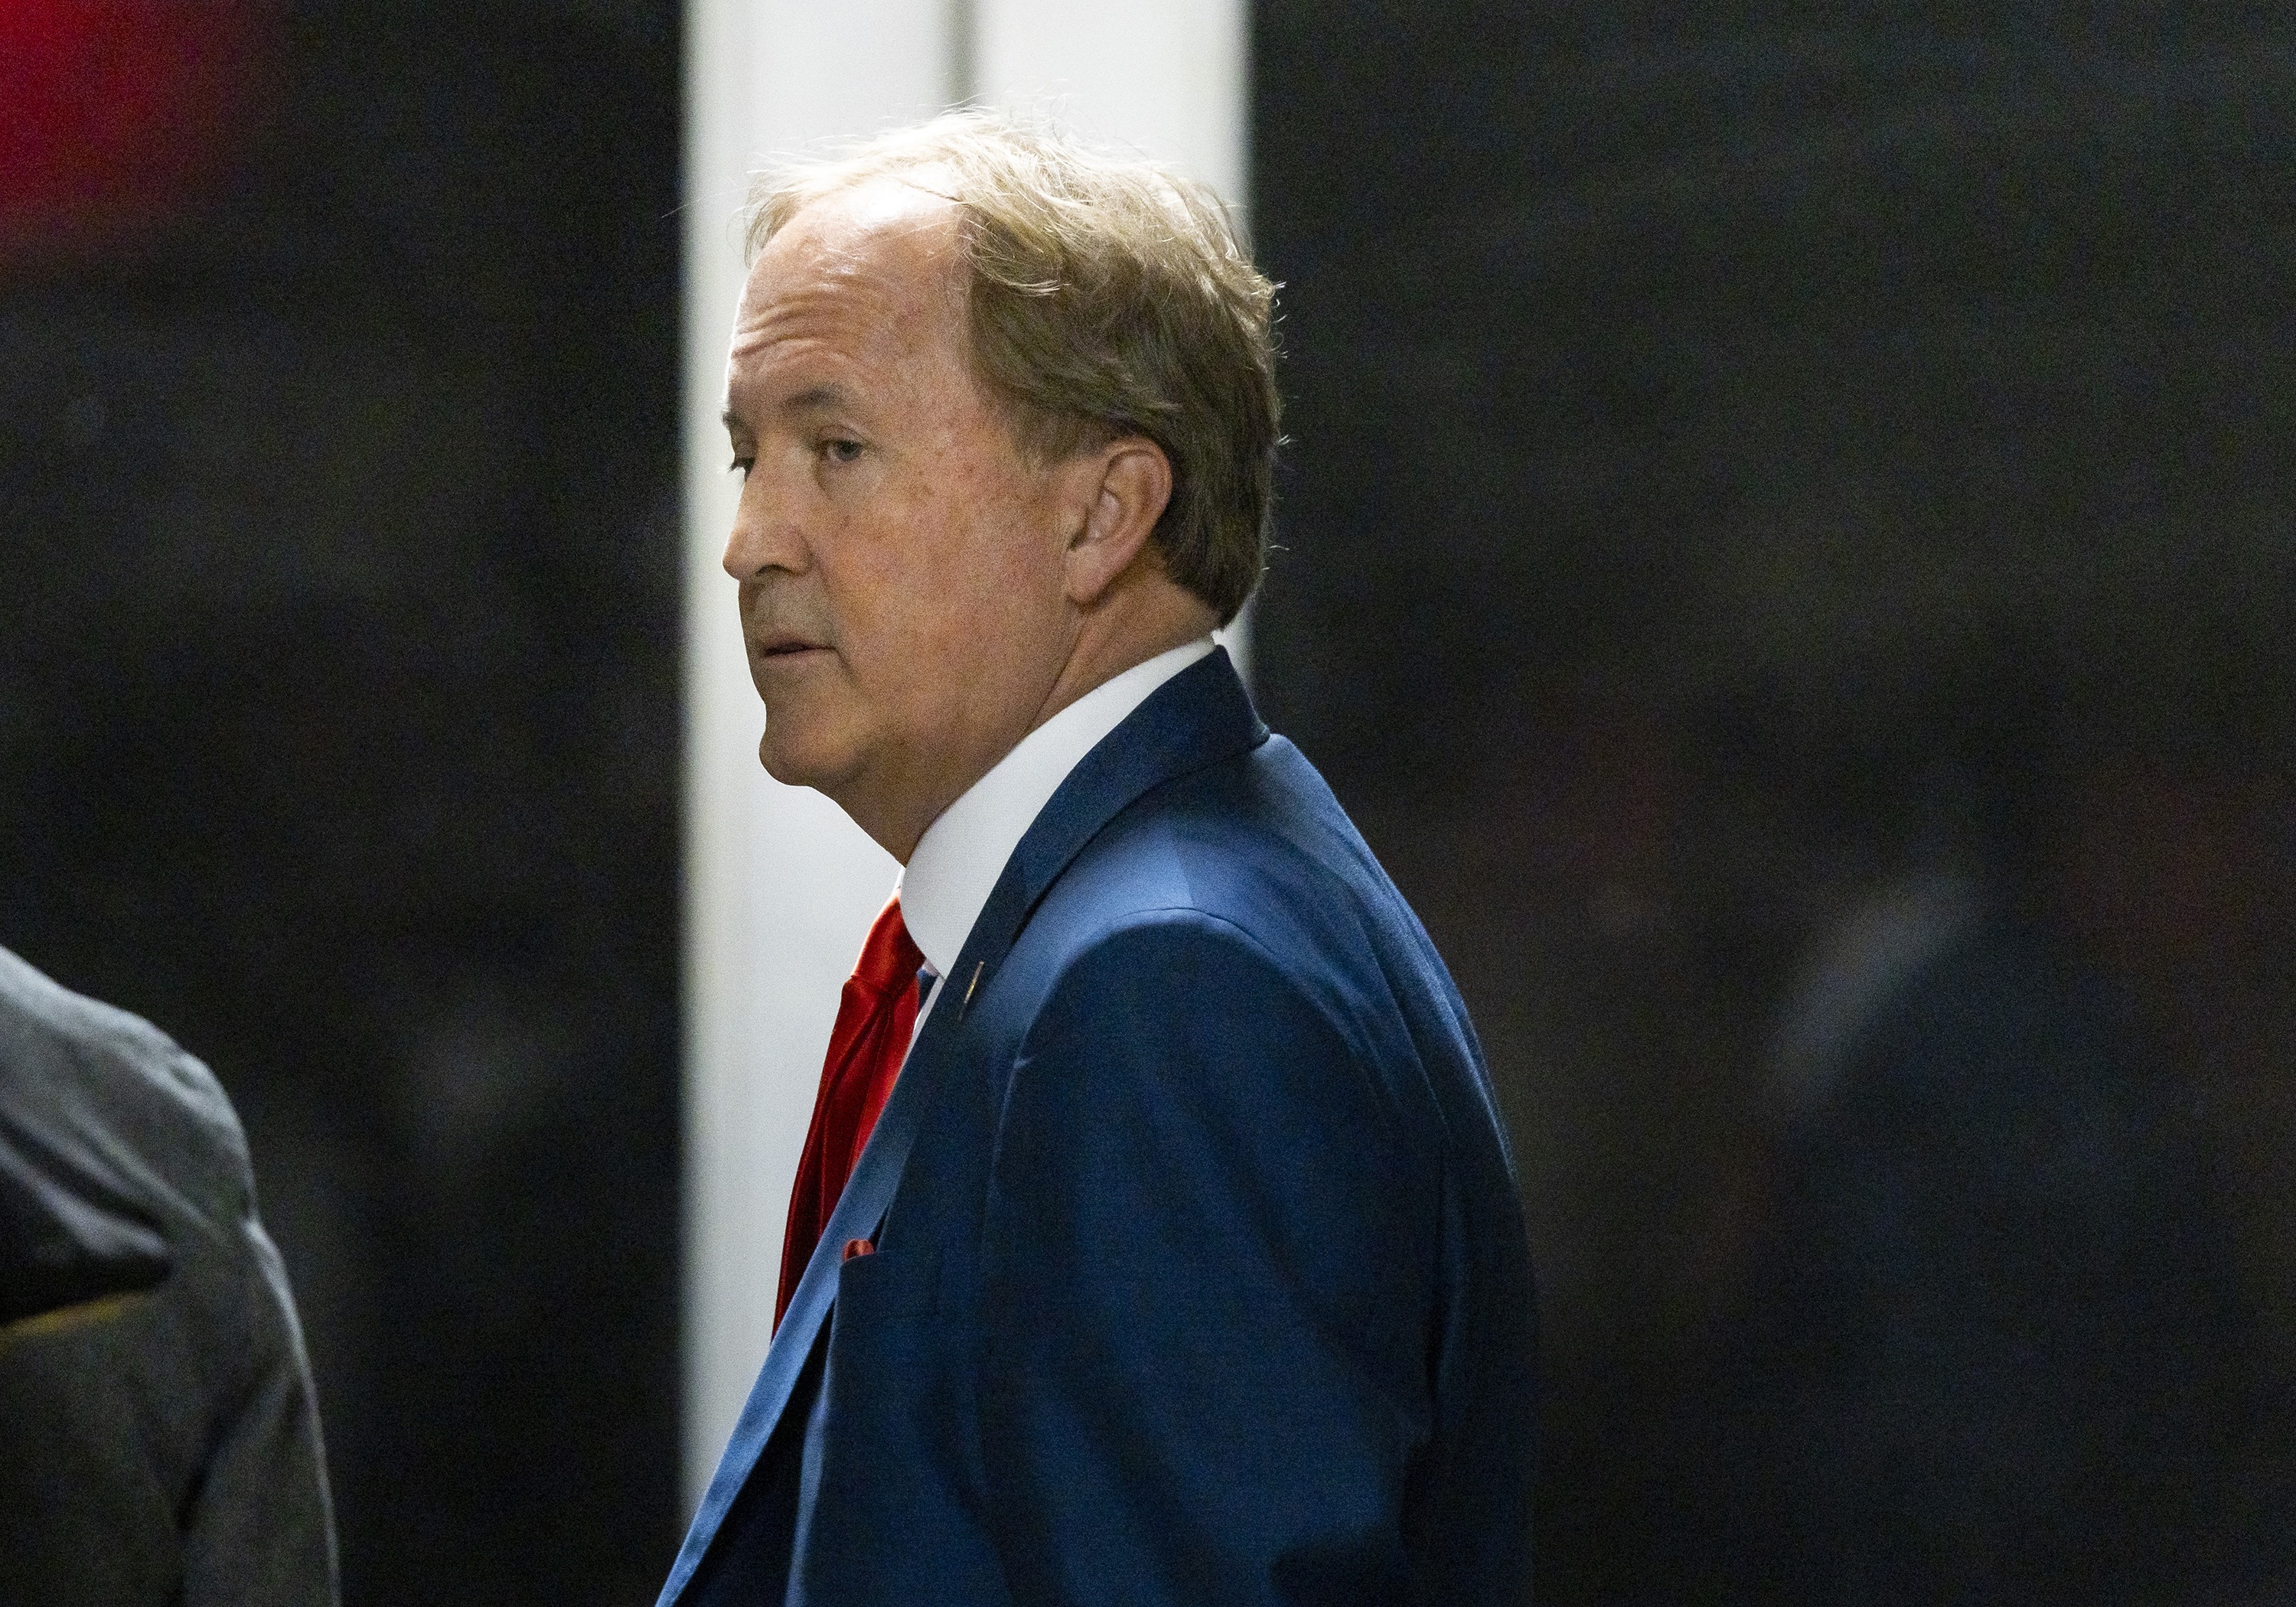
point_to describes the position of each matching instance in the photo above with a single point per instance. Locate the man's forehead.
(858, 282)
(885, 232)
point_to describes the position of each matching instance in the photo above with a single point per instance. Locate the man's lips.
(787, 647)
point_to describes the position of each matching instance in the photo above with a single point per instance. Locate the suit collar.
(1196, 718)
(962, 855)
(1200, 715)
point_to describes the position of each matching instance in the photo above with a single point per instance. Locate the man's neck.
(1140, 619)
(958, 860)
(1143, 621)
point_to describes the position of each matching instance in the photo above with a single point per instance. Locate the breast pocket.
(880, 1384)
(894, 1517)
(904, 1281)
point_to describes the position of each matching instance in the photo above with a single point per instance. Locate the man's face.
(899, 559)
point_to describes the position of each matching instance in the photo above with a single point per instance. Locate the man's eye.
(841, 451)
(741, 466)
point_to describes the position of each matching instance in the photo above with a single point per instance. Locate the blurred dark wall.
(338, 728)
(1786, 550)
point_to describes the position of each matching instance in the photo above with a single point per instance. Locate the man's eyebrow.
(815, 399)
(812, 398)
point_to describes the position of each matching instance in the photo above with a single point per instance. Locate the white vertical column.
(1169, 78)
(780, 887)
(1165, 76)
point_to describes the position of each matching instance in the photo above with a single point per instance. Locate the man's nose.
(766, 534)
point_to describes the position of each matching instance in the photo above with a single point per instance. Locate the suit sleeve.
(259, 1529)
(1209, 1257)
(262, 1531)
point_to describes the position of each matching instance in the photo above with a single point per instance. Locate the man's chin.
(779, 762)
(795, 764)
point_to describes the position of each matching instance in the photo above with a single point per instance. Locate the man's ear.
(1130, 483)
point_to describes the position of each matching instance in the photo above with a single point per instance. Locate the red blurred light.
(115, 113)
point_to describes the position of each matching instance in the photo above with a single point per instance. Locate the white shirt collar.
(957, 861)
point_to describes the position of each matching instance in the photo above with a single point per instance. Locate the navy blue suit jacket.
(1200, 1275)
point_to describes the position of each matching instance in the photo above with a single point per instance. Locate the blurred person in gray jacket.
(161, 1435)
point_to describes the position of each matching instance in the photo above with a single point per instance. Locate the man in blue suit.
(1180, 1259)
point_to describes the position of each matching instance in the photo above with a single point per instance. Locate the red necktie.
(875, 1016)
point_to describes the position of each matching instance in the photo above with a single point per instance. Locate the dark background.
(339, 720)
(1741, 470)
(1761, 475)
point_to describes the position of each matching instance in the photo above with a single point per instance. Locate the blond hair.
(1106, 298)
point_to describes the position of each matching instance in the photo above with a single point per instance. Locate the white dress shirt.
(962, 854)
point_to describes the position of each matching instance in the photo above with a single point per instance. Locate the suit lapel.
(1200, 715)
(868, 1192)
(1198, 718)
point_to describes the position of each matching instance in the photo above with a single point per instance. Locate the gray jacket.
(163, 1446)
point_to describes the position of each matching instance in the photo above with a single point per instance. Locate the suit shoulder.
(1259, 842)
(109, 1084)
(1235, 827)
(1254, 853)
(1146, 949)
